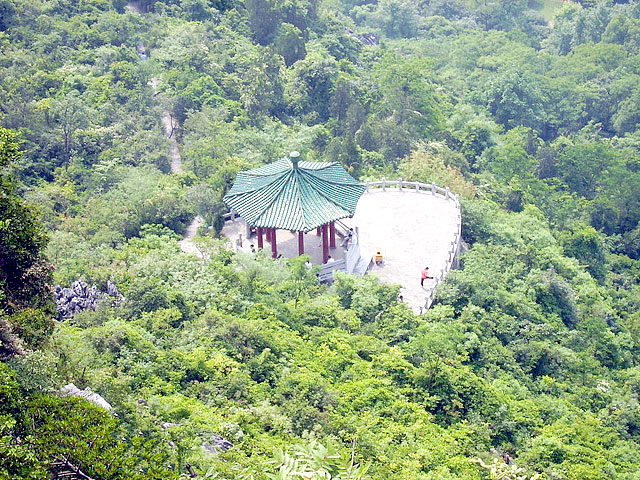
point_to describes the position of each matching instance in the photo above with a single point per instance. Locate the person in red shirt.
(425, 275)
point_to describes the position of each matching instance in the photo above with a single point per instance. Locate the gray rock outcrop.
(217, 444)
(80, 296)
(368, 39)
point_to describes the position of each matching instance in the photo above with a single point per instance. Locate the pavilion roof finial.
(294, 157)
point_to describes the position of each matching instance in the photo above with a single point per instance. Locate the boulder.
(71, 390)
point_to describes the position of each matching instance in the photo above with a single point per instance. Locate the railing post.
(233, 215)
(448, 193)
(400, 185)
(433, 188)
(417, 186)
(384, 185)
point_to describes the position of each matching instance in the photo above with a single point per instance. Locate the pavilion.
(294, 195)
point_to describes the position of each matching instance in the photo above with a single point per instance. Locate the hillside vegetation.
(241, 367)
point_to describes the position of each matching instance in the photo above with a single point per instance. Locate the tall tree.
(25, 275)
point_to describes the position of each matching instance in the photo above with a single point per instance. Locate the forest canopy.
(236, 366)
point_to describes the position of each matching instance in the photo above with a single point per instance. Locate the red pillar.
(300, 243)
(259, 233)
(318, 231)
(325, 243)
(332, 235)
(267, 232)
(274, 244)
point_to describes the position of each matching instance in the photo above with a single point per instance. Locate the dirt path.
(174, 152)
(169, 127)
(186, 244)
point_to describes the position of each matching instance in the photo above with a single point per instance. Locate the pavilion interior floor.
(287, 242)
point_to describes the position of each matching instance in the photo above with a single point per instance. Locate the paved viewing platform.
(411, 228)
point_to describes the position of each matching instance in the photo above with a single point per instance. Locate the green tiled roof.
(296, 196)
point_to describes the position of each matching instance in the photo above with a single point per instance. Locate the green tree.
(289, 43)
(396, 18)
(263, 89)
(25, 275)
(514, 98)
(436, 163)
(311, 85)
(584, 243)
(71, 114)
(583, 167)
